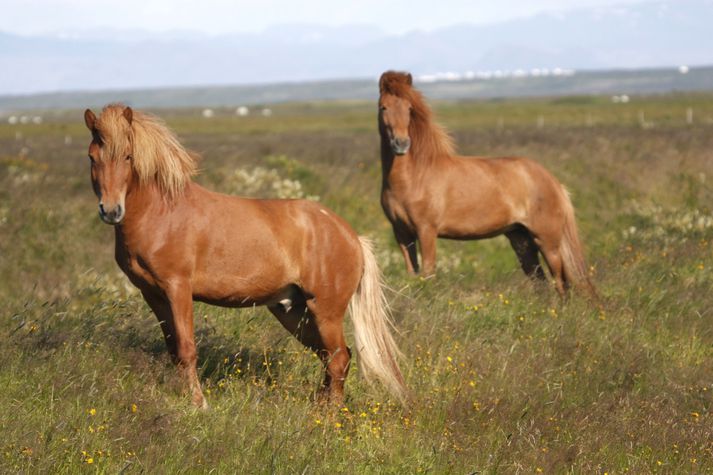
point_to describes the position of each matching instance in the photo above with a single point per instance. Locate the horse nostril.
(402, 143)
(119, 210)
(101, 209)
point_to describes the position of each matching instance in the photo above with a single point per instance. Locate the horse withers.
(428, 191)
(179, 242)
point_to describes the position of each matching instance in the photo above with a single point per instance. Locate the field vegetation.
(506, 378)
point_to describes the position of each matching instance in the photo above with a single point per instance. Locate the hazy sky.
(224, 16)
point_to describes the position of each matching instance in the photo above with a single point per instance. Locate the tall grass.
(505, 376)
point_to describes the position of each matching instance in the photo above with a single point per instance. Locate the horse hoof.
(200, 403)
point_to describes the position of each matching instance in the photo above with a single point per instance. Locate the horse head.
(110, 160)
(395, 110)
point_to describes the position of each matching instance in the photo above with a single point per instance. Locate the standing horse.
(178, 242)
(428, 192)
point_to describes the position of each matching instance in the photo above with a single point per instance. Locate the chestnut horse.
(179, 242)
(428, 191)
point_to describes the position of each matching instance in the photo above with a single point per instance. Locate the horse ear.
(382, 82)
(409, 79)
(128, 115)
(89, 119)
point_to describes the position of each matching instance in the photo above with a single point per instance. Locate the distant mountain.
(659, 33)
(647, 81)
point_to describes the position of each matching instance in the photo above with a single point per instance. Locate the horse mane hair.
(157, 155)
(428, 138)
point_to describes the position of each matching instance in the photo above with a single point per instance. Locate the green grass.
(505, 377)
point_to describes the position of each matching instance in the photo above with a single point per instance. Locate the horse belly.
(242, 297)
(477, 222)
(241, 284)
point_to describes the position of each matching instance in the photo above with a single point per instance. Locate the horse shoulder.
(132, 264)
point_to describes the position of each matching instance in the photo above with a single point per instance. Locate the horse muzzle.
(111, 215)
(400, 146)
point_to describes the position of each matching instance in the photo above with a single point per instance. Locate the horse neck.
(426, 144)
(420, 160)
(146, 199)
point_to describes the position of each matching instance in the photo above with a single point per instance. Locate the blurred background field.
(505, 377)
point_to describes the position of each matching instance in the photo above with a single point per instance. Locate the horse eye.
(382, 108)
(91, 159)
(129, 157)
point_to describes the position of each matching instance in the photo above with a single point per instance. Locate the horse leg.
(162, 309)
(324, 341)
(299, 322)
(526, 251)
(407, 244)
(556, 266)
(427, 238)
(181, 302)
(335, 355)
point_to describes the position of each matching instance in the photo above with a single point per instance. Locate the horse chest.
(397, 207)
(134, 268)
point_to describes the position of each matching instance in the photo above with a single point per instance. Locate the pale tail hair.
(377, 353)
(571, 251)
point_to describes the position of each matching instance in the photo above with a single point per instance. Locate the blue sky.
(227, 16)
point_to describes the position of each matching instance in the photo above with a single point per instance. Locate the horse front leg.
(180, 298)
(427, 237)
(162, 309)
(407, 243)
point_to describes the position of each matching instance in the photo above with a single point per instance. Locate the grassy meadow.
(506, 378)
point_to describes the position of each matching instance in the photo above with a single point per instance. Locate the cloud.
(226, 16)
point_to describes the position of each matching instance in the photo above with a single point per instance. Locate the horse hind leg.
(335, 354)
(526, 250)
(322, 331)
(556, 265)
(298, 321)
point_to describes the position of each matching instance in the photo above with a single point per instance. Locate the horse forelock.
(112, 133)
(157, 155)
(428, 138)
(393, 81)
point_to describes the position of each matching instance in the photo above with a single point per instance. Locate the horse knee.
(338, 364)
(186, 354)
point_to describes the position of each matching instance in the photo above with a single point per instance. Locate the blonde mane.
(428, 139)
(157, 155)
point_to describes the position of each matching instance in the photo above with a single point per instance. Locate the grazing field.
(506, 378)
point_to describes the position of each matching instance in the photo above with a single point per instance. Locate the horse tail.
(571, 251)
(376, 349)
